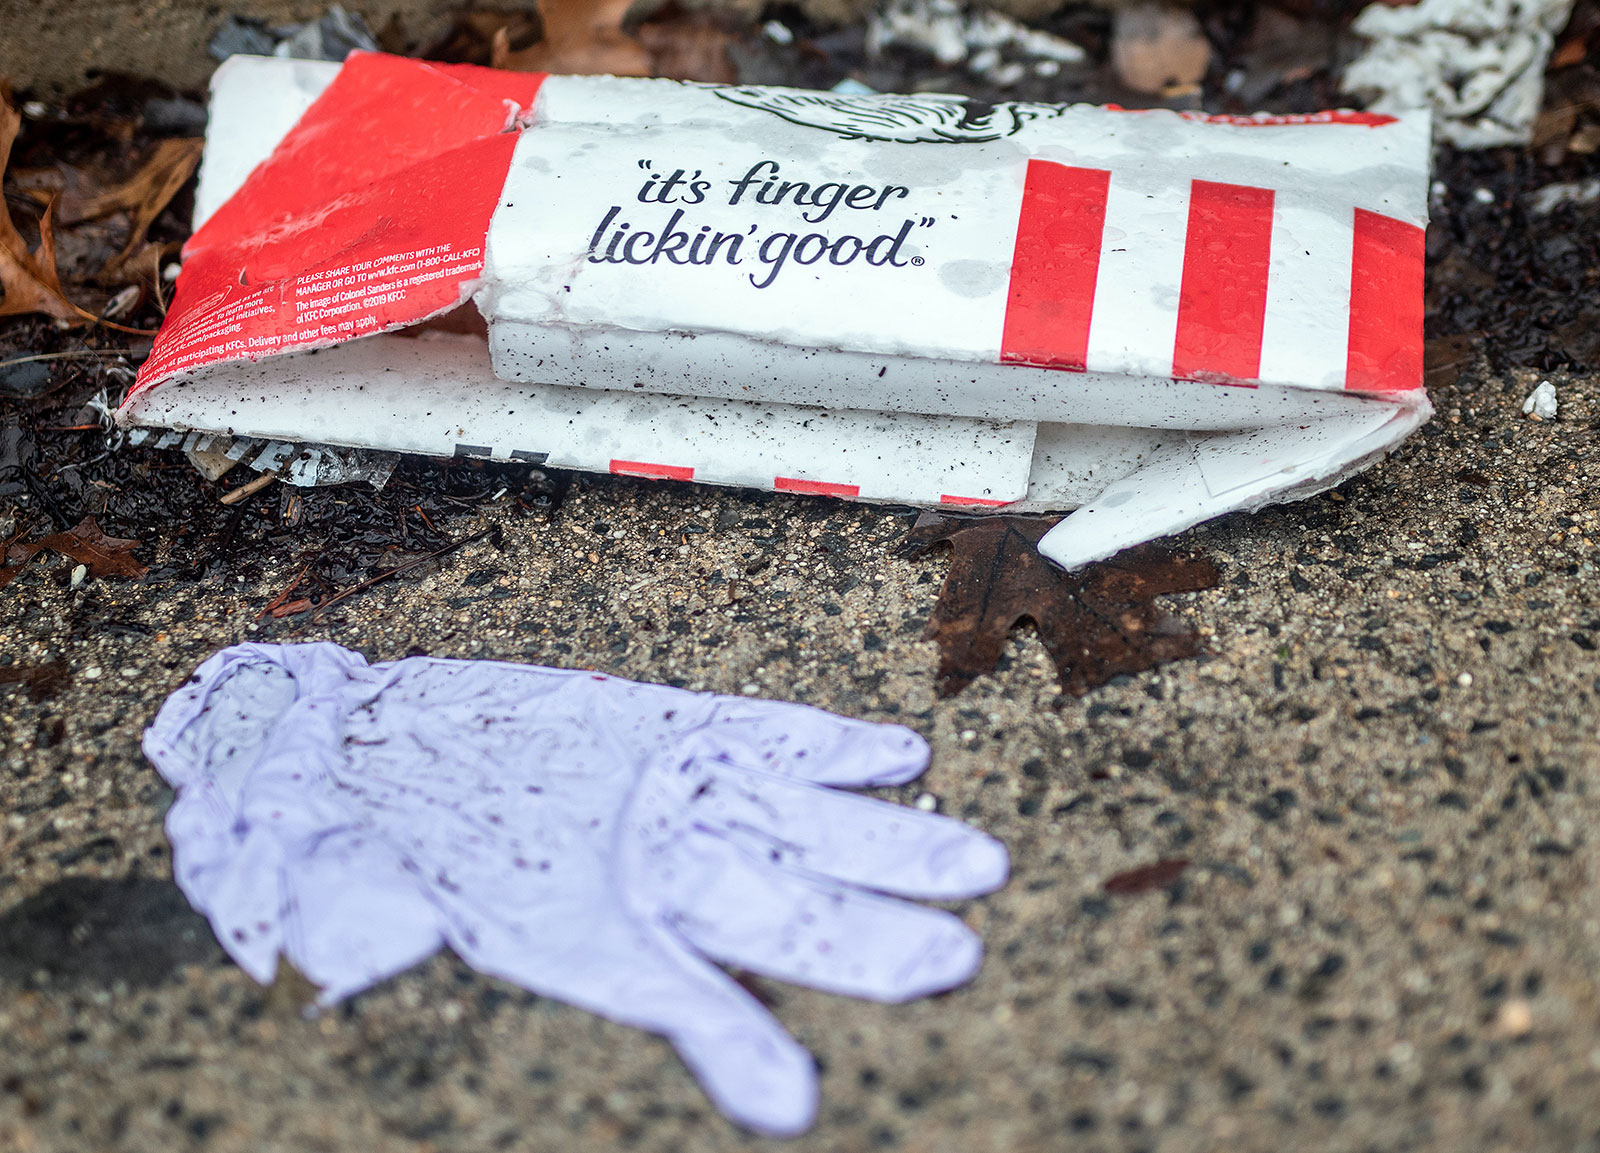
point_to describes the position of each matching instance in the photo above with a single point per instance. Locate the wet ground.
(1384, 772)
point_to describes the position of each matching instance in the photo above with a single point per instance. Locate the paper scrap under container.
(1152, 317)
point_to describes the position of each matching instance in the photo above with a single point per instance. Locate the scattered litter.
(333, 37)
(1009, 384)
(993, 46)
(1546, 200)
(303, 465)
(593, 839)
(1159, 49)
(1541, 402)
(1095, 625)
(1479, 64)
(249, 488)
(211, 463)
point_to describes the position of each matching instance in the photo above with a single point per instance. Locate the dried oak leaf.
(28, 279)
(1096, 624)
(581, 37)
(142, 196)
(1162, 874)
(85, 543)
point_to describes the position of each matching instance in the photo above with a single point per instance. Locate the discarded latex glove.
(589, 838)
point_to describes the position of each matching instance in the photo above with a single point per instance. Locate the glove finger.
(353, 915)
(811, 931)
(641, 975)
(859, 840)
(800, 741)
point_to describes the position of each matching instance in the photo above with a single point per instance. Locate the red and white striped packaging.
(1156, 317)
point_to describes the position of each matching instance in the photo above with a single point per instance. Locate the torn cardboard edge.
(1140, 455)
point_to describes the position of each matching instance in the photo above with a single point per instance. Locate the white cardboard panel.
(437, 396)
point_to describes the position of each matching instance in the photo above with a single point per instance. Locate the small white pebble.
(79, 574)
(1483, 196)
(1541, 403)
(968, 735)
(129, 673)
(1515, 1018)
(751, 689)
(1464, 680)
(927, 802)
(92, 673)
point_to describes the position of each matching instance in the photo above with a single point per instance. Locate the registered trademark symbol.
(917, 261)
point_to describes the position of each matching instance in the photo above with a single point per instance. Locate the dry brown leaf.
(581, 38)
(28, 279)
(85, 543)
(1096, 624)
(1162, 874)
(143, 197)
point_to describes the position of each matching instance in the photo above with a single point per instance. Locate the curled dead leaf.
(28, 279)
(143, 196)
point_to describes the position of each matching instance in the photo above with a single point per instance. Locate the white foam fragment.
(1478, 64)
(1541, 403)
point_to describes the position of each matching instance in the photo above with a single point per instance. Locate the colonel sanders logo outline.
(921, 119)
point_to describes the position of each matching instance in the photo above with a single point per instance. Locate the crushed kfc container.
(1152, 318)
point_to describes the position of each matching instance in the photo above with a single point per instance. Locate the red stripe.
(652, 471)
(1222, 307)
(815, 487)
(1054, 266)
(1385, 305)
(987, 503)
